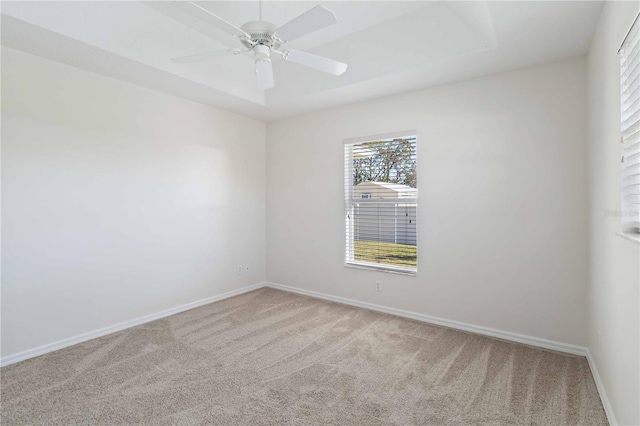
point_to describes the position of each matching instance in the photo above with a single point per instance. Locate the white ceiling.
(390, 46)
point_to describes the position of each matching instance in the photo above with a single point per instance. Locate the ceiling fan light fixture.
(262, 51)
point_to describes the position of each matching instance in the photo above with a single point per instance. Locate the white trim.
(634, 237)
(626, 35)
(608, 409)
(505, 335)
(41, 350)
(378, 267)
(402, 134)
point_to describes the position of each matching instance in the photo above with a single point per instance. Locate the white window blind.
(630, 117)
(381, 201)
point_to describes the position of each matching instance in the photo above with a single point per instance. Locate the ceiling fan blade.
(312, 20)
(314, 61)
(264, 74)
(203, 14)
(207, 56)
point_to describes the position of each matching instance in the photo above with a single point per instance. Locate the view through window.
(381, 203)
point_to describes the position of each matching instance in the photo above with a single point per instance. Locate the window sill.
(634, 237)
(381, 269)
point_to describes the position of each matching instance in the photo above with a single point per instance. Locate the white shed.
(387, 221)
(370, 189)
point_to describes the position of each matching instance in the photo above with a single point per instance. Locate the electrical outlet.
(240, 269)
(378, 286)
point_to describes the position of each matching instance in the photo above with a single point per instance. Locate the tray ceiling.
(390, 46)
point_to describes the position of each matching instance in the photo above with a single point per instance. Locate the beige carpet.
(271, 358)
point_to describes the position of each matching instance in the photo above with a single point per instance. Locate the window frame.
(348, 201)
(627, 209)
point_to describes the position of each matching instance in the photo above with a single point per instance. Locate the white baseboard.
(505, 335)
(608, 409)
(31, 353)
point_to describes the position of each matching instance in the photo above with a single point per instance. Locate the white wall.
(614, 289)
(118, 201)
(502, 200)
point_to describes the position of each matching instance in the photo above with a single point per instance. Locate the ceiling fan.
(264, 38)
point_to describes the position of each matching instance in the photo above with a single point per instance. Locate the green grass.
(386, 253)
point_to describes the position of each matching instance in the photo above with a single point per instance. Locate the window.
(630, 117)
(381, 200)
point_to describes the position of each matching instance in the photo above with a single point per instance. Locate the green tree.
(392, 161)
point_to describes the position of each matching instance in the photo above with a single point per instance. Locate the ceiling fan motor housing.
(261, 34)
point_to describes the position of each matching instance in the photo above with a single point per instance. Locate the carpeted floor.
(272, 358)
